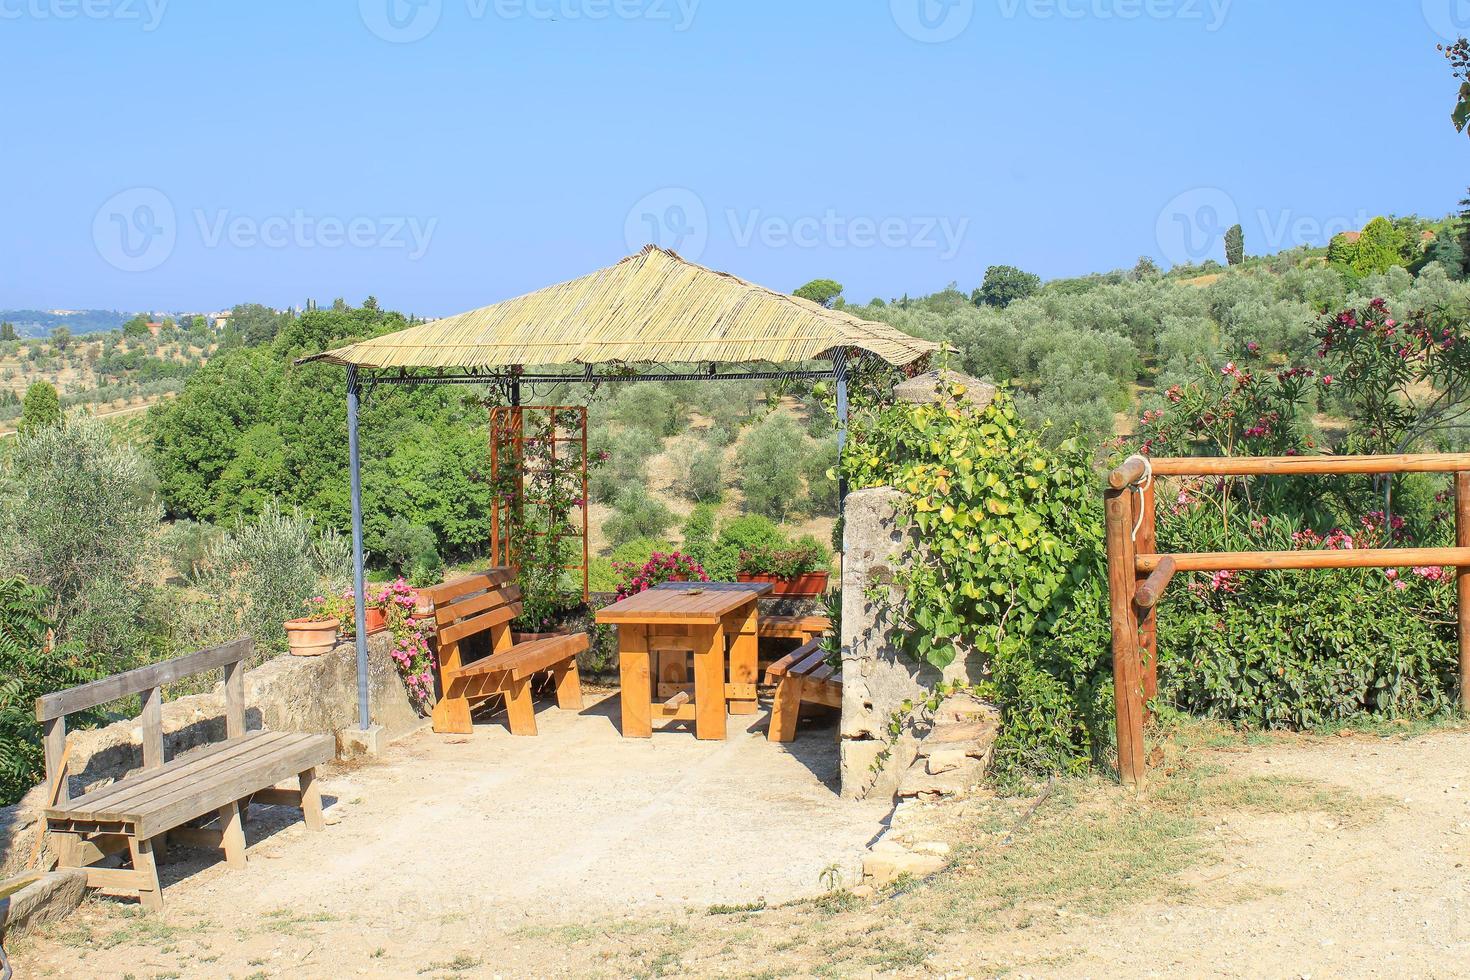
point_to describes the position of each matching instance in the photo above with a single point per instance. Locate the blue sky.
(445, 154)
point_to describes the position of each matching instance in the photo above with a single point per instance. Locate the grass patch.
(759, 906)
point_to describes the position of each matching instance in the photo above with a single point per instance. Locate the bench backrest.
(52, 709)
(472, 606)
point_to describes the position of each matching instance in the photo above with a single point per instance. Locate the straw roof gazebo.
(652, 308)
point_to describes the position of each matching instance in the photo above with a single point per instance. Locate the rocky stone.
(34, 899)
(938, 761)
(951, 784)
(936, 384)
(888, 860)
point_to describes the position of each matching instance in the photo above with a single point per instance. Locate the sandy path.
(451, 839)
(1301, 895)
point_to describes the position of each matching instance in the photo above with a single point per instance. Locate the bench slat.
(149, 799)
(469, 584)
(189, 763)
(316, 751)
(464, 608)
(524, 659)
(478, 624)
(110, 689)
(126, 802)
(786, 664)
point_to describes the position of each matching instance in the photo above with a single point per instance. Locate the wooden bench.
(141, 813)
(479, 656)
(801, 676)
(803, 628)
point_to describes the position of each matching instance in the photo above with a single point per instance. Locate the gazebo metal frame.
(361, 382)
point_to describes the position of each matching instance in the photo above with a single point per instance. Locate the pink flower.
(1327, 381)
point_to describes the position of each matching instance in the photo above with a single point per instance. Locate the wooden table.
(660, 627)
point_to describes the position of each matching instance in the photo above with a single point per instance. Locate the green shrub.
(637, 514)
(28, 669)
(78, 518)
(705, 481)
(627, 466)
(769, 461)
(1010, 570)
(819, 468)
(1298, 649)
(264, 571)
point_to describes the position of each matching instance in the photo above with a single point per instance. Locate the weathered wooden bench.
(801, 676)
(141, 813)
(479, 656)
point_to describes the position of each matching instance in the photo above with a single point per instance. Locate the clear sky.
(445, 154)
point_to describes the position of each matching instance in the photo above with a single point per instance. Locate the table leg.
(743, 628)
(633, 672)
(709, 682)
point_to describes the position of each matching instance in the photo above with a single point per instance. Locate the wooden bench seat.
(479, 656)
(142, 812)
(801, 676)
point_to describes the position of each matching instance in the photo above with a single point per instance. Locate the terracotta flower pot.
(811, 584)
(376, 621)
(311, 638)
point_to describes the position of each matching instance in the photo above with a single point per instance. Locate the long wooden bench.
(141, 813)
(801, 676)
(479, 656)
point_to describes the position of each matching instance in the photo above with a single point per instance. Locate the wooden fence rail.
(1138, 575)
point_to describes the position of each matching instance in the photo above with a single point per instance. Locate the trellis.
(507, 458)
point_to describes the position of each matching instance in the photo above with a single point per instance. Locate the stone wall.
(877, 676)
(302, 694)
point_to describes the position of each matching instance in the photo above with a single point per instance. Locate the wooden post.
(633, 673)
(1146, 543)
(152, 719)
(1462, 582)
(235, 699)
(1127, 670)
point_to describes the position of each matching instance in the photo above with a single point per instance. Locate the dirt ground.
(577, 854)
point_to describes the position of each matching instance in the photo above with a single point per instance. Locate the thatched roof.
(652, 307)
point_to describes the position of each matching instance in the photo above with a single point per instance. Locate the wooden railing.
(1138, 575)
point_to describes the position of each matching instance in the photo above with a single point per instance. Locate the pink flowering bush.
(659, 568)
(1298, 649)
(410, 636)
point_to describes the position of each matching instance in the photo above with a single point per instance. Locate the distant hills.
(40, 323)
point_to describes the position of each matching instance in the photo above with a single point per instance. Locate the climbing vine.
(1006, 569)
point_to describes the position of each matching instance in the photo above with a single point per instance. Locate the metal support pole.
(359, 585)
(839, 375)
